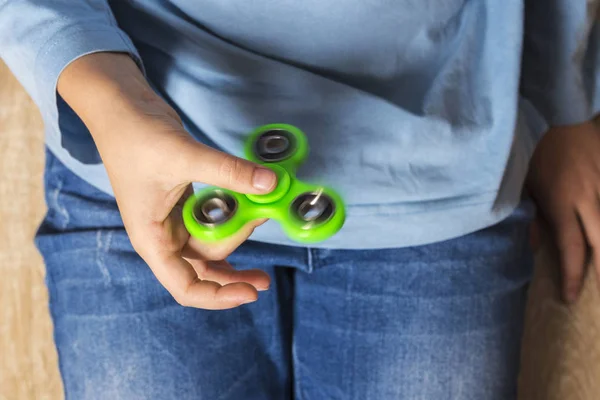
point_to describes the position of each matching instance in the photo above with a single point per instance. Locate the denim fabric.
(441, 321)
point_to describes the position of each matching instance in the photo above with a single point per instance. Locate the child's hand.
(151, 162)
(564, 179)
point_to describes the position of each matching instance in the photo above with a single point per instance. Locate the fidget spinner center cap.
(274, 145)
(283, 185)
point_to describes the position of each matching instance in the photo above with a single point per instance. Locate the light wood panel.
(28, 361)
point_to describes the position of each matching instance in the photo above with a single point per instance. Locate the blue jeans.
(437, 322)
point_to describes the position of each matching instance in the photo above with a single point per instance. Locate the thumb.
(201, 163)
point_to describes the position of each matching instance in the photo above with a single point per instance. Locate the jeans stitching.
(310, 260)
(53, 198)
(102, 246)
(241, 380)
(165, 350)
(57, 206)
(298, 395)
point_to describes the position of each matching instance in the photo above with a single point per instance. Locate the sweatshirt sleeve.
(39, 38)
(561, 63)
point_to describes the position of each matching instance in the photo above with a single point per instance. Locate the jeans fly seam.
(296, 365)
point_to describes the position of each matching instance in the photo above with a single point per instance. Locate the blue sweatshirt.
(423, 114)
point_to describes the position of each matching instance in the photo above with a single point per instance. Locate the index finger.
(182, 282)
(572, 248)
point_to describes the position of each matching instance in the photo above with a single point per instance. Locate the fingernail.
(248, 301)
(262, 288)
(263, 179)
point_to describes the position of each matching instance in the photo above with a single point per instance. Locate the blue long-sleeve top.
(422, 114)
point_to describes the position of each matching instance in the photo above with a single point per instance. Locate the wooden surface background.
(28, 361)
(561, 360)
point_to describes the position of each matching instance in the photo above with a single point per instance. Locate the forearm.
(103, 87)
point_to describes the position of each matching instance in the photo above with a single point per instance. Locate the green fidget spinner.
(308, 213)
